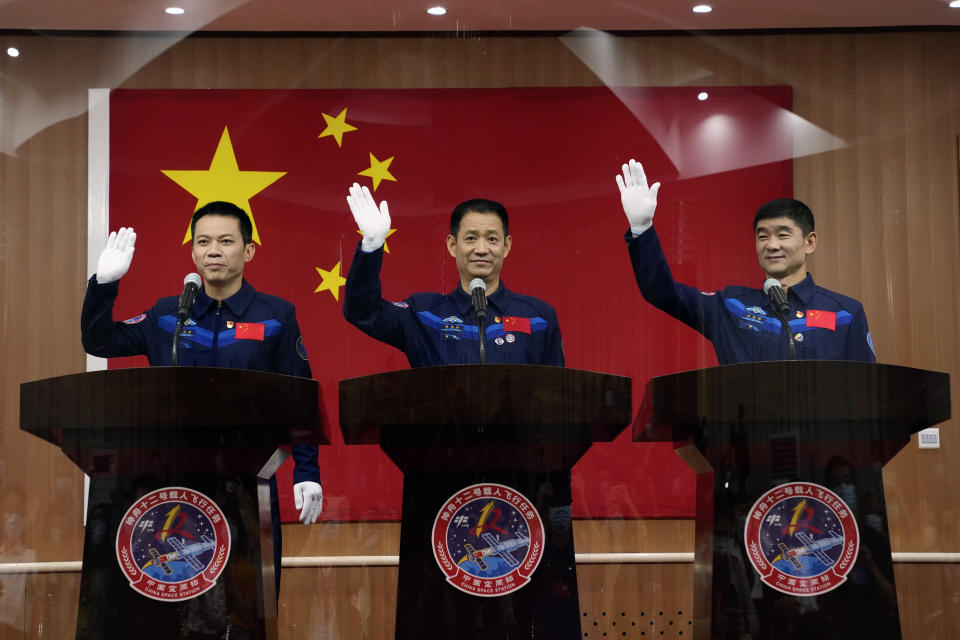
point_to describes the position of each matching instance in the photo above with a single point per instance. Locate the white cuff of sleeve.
(369, 245)
(641, 228)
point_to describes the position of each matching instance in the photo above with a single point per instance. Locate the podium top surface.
(173, 397)
(791, 393)
(474, 394)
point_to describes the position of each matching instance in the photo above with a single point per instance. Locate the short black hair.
(221, 208)
(478, 205)
(786, 208)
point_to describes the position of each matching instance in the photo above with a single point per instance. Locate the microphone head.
(769, 283)
(477, 283)
(193, 278)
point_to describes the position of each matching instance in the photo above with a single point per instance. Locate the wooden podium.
(453, 430)
(775, 556)
(179, 460)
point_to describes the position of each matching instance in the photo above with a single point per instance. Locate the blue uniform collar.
(237, 303)
(804, 289)
(463, 303)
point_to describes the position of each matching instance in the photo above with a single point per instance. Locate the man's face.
(479, 247)
(782, 248)
(218, 249)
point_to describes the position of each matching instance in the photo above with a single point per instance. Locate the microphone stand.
(478, 299)
(482, 335)
(786, 325)
(176, 339)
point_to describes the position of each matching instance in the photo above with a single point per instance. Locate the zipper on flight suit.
(216, 330)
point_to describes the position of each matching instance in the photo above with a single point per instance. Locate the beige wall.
(886, 204)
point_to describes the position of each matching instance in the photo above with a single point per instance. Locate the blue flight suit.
(741, 322)
(208, 339)
(435, 328)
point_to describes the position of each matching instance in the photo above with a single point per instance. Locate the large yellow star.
(224, 181)
(389, 233)
(378, 171)
(336, 127)
(331, 281)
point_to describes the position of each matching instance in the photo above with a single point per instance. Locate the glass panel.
(677, 477)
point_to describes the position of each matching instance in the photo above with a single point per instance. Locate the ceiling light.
(702, 8)
(436, 11)
(174, 11)
(955, 4)
(13, 52)
(703, 95)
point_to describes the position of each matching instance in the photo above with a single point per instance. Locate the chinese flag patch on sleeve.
(519, 325)
(249, 331)
(822, 319)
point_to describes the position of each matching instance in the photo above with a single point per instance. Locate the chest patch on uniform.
(451, 328)
(514, 323)
(136, 320)
(249, 331)
(756, 311)
(822, 319)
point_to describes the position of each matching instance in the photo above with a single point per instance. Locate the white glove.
(373, 223)
(116, 256)
(308, 497)
(639, 201)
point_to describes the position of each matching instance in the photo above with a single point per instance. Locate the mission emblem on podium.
(488, 539)
(173, 543)
(801, 538)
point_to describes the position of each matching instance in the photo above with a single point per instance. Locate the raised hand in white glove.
(116, 256)
(639, 201)
(373, 222)
(308, 497)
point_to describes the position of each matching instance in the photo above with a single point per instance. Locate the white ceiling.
(469, 15)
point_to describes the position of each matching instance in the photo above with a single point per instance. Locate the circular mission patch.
(173, 543)
(801, 538)
(488, 539)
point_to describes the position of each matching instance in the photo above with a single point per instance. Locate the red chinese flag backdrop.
(549, 154)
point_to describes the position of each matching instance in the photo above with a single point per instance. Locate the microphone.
(478, 293)
(191, 284)
(774, 291)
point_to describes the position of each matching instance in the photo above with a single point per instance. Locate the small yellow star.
(331, 281)
(336, 127)
(386, 249)
(378, 171)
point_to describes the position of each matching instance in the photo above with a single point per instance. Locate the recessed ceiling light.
(955, 4)
(13, 52)
(703, 95)
(436, 11)
(174, 11)
(702, 8)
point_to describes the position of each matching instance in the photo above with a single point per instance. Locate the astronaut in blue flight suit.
(436, 328)
(231, 325)
(441, 329)
(741, 321)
